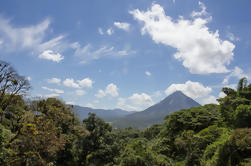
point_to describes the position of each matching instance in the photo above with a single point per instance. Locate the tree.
(98, 146)
(11, 85)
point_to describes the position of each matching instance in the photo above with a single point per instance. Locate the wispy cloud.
(88, 53)
(53, 90)
(122, 25)
(31, 38)
(54, 81)
(237, 72)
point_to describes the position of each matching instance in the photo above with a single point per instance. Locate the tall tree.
(11, 85)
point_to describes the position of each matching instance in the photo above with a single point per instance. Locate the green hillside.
(45, 132)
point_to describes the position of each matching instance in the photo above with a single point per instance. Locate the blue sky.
(127, 54)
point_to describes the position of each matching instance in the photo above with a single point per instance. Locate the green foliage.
(152, 132)
(242, 116)
(138, 153)
(5, 153)
(46, 132)
(211, 155)
(196, 119)
(98, 147)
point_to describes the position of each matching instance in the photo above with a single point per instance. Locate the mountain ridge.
(155, 114)
(106, 114)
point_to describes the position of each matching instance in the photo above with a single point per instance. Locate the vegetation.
(46, 132)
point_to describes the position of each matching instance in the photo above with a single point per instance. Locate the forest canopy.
(47, 132)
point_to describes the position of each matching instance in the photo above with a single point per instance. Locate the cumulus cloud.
(221, 95)
(122, 25)
(237, 73)
(52, 90)
(210, 100)
(54, 81)
(192, 89)
(200, 50)
(85, 83)
(100, 94)
(148, 73)
(141, 99)
(69, 82)
(136, 102)
(122, 104)
(109, 31)
(50, 55)
(111, 89)
(80, 92)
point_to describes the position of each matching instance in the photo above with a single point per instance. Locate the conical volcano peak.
(156, 113)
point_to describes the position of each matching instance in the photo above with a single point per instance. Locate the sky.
(127, 54)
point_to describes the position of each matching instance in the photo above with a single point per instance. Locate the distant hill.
(156, 113)
(107, 115)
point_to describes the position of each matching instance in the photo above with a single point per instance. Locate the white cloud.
(141, 99)
(85, 83)
(51, 95)
(109, 31)
(32, 38)
(203, 11)
(52, 90)
(80, 92)
(210, 100)
(100, 31)
(122, 25)
(237, 73)
(200, 49)
(148, 73)
(111, 89)
(136, 102)
(50, 55)
(70, 102)
(54, 81)
(69, 82)
(16, 38)
(87, 53)
(100, 94)
(28, 78)
(232, 37)
(221, 95)
(56, 44)
(122, 104)
(191, 89)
